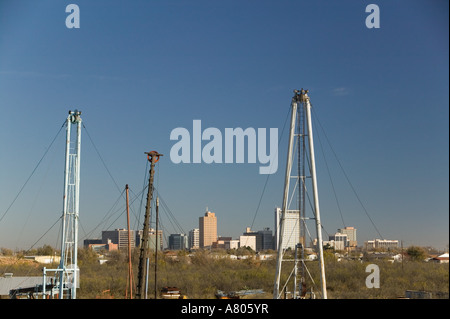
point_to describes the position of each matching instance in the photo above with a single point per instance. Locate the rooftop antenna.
(300, 128)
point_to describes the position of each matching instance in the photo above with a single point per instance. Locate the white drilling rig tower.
(67, 274)
(301, 131)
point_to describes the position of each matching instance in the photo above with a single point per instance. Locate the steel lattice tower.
(68, 268)
(301, 130)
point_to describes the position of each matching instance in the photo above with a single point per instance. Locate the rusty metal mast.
(152, 157)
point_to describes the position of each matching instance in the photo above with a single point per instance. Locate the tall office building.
(194, 239)
(291, 233)
(207, 229)
(351, 235)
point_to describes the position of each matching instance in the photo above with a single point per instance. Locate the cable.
(331, 180)
(106, 217)
(170, 214)
(348, 180)
(45, 233)
(103, 162)
(144, 187)
(32, 173)
(268, 175)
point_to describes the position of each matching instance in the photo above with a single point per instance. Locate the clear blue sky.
(139, 69)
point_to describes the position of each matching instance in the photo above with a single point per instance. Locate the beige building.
(208, 229)
(381, 244)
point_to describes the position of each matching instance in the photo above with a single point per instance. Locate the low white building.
(442, 259)
(247, 241)
(232, 244)
(397, 258)
(44, 259)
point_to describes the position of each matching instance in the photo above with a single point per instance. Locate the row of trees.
(45, 250)
(413, 252)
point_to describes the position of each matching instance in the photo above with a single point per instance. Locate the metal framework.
(301, 129)
(67, 274)
(141, 289)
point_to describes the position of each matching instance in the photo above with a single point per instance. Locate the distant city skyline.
(343, 239)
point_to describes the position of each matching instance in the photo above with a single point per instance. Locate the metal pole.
(45, 282)
(144, 242)
(402, 254)
(153, 157)
(316, 195)
(156, 246)
(295, 271)
(130, 274)
(77, 206)
(302, 194)
(65, 195)
(147, 262)
(285, 199)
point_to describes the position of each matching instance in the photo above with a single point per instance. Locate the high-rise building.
(291, 233)
(207, 229)
(194, 239)
(119, 237)
(178, 242)
(351, 235)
